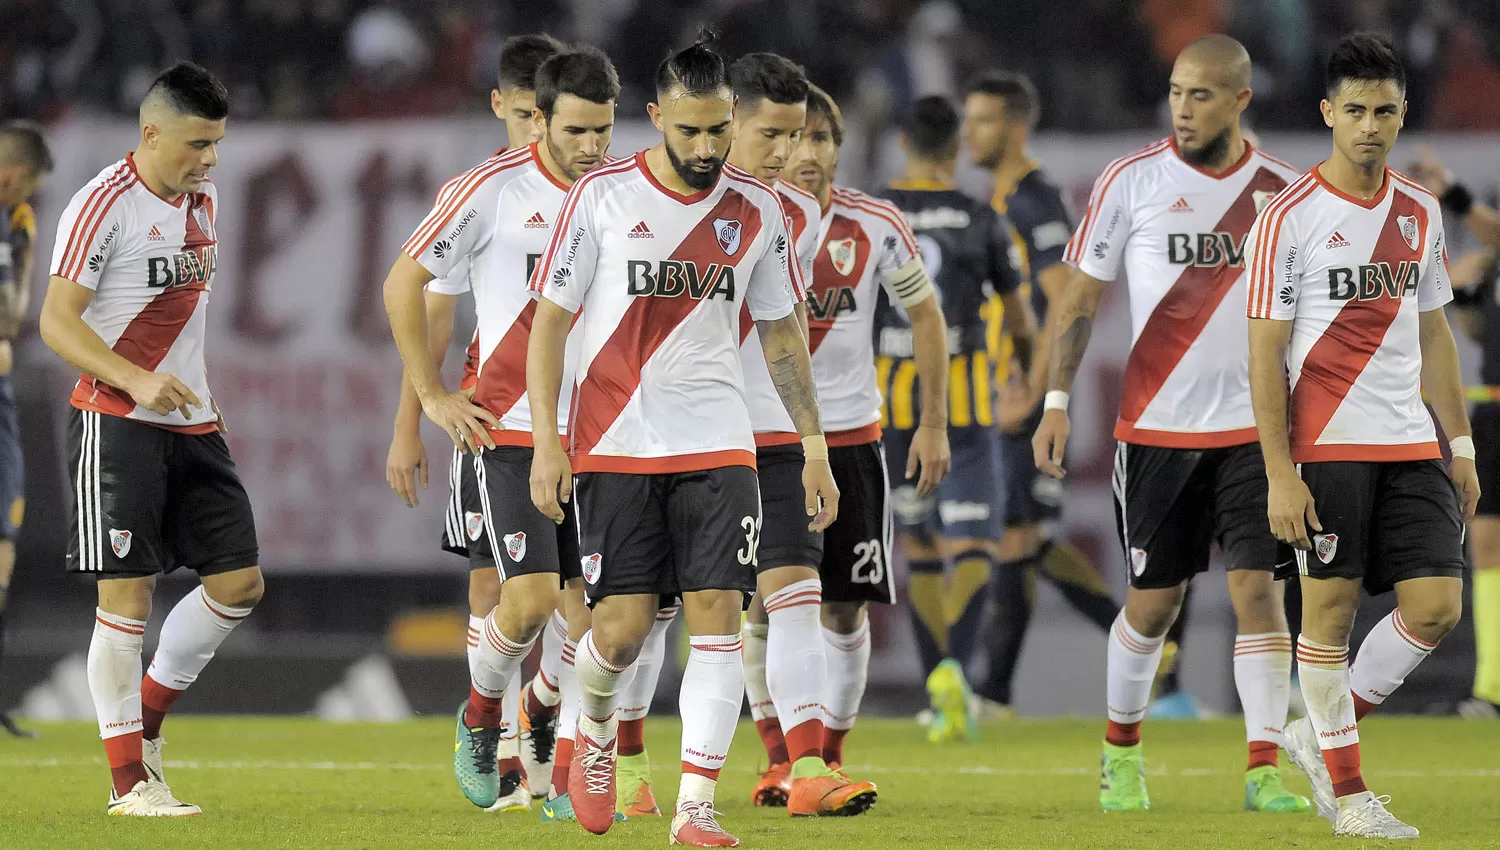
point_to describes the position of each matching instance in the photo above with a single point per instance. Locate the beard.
(1211, 152)
(697, 180)
(561, 160)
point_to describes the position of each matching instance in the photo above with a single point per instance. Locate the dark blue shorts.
(969, 503)
(12, 471)
(1031, 496)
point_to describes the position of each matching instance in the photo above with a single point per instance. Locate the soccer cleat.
(1122, 779)
(634, 797)
(558, 809)
(774, 787)
(1363, 815)
(1265, 793)
(952, 717)
(150, 799)
(1477, 708)
(151, 759)
(986, 710)
(591, 783)
(694, 825)
(9, 725)
(514, 794)
(538, 742)
(829, 794)
(475, 759)
(1300, 741)
(1176, 706)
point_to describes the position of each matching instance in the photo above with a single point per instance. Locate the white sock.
(848, 660)
(1388, 655)
(544, 685)
(755, 636)
(476, 634)
(636, 696)
(192, 633)
(795, 661)
(114, 670)
(497, 661)
(1131, 666)
(710, 707)
(1323, 672)
(510, 719)
(567, 709)
(1263, 677)
(599, 683)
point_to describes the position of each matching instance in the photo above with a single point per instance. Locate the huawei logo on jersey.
(672, 278)
(193, 267)
(441, 248)
(1205, 249)
(1373, 280)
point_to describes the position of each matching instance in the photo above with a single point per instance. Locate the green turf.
(267, 783)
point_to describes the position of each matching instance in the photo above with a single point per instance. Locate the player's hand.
(822, 494)
(930, 453)
(406, 463)
(1049, 442)
(1466, 480)
(461, 419)
(219, 417)
(1015, 404)
(1430, 171)
(1290, 509)
(162, 393)
(551, 480)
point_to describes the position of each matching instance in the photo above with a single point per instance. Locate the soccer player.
(1348, 280)
(464, 532)
(783, 639)
(967, 248)
(154, 486)
(866, 246)
(655, 256)
(1188, 470)
(24, 162)
(1000, 111)
(521, 193)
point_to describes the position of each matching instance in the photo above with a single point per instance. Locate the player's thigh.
(969, 504)
(1163, 513)
(623, 541)
(209, 522)
(713, 519)
(856, 564)
(12, 468)
(1241, 526)
(1417, 526)
(118, 472)
(524, 539)
(785, 540)
(1344, 496)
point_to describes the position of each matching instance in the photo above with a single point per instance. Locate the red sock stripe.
(706, 772)
(607, 667)
(546, 682)
(1130, 642)
(501, 643)
(1416, 643)
(719, 647)
(1278, 642)
(666, 615)
(781, 601)
(1319, 656)
(569, 652)
(129, 630)
(560, 625)
(217, 611)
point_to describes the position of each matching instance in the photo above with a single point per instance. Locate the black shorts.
(527, 541)
(1173, 505)
(969, 502)
(667, 534)
(1382, 523)
(464, 532)
(12, 470)
(785, 540)
(147, 500)
(856, 564)
(1485, 421)
(1031, 496)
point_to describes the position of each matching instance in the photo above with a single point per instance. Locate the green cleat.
(1122, 779)
(952, 714)
(1265, 793)
(475, 763)
(559, 809)
(634, 797)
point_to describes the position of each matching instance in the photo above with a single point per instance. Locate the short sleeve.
(1276, 263)
(454, 229)
(86, 241)
(898, 245)
(1002, 255)
(1098, 245)
(455, 282)
(1043, 224)
(807, 254)
(1435, 289)
(776, 280)
(566, 270)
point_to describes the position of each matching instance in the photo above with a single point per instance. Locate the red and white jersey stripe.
(1179, 233)
(659, 278)
(1352, 276)
(151, 264)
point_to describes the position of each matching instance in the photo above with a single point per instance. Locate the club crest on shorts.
(1408, 225)
(591, 564)
(1138, 561)
(515, 546)
(728, 232)
(841, 252)
(1261, 198)
(1326, 545)
(473, 525)
(120, 542)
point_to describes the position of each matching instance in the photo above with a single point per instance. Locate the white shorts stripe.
(1118, 484)
(887, 527)
(489, 515)
(453, 519)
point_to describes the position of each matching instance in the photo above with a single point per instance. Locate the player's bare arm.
(551, 473)
(1073, 324)
(1289, 506)
(930, 454)
(1443, 386)
(790, 365)
(406, 463)
(65, 332)
(1020, 394)
(1481, 220)
(462, 420)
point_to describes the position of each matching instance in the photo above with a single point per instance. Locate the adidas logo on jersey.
(640, 231)
(1337, 240)
(1181, 206)
(155, 235)
(536, 220)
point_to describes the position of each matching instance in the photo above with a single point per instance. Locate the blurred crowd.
(1101, 64)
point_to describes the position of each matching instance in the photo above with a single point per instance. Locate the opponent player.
(575, 96)
(1000, 111)
(967, 248)
(154, 486)
(1348, 281)
(866, 246)
(1188, 472)
(659, 252)
(783, 641)
(512, 101)
(24, 162)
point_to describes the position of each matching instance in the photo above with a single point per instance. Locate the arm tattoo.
(1067, 351)
(791, 372)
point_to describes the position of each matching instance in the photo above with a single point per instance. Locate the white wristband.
(1055, 400)
(1462, 447)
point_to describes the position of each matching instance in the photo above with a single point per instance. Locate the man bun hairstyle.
(1366, 57)
(697, 69)
(190, 89)
(584, 72)
(521, 56)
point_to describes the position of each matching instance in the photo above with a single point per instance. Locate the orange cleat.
(829, 795)
(695, 826)
(640, 803)
(774, 787)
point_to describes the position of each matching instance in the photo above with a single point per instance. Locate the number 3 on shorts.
(870, 568)
(752, 540)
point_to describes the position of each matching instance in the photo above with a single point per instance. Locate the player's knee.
(842, 617)
(241, 589)
(1152, 612)
(1256, 599)
(1432, 619)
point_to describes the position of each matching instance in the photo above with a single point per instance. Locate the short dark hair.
(931, 128)
(522, 55)
(22, 143)
(191, 90)
(697, 68)
(1017, 91)
(820, 105)
(582, 72)
(1366, 57)
(766, 76)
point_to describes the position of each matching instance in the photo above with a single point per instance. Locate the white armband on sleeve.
(910, 283)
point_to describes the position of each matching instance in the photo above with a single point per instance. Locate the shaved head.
(1222, 53)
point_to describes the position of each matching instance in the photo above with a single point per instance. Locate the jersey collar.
(1372, 203)
(1240, 163)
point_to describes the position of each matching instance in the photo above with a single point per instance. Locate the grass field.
(267, 783)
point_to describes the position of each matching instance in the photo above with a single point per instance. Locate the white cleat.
(151, 758)
(1301, 743)
(1363, 815)
(515, 795)
(150, 799)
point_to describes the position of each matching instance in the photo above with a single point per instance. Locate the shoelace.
(702, 815)
(598, 768)
(1373, 810)
(544, 740)
(486, 745)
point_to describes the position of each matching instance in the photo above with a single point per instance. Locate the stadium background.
(347, 115)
